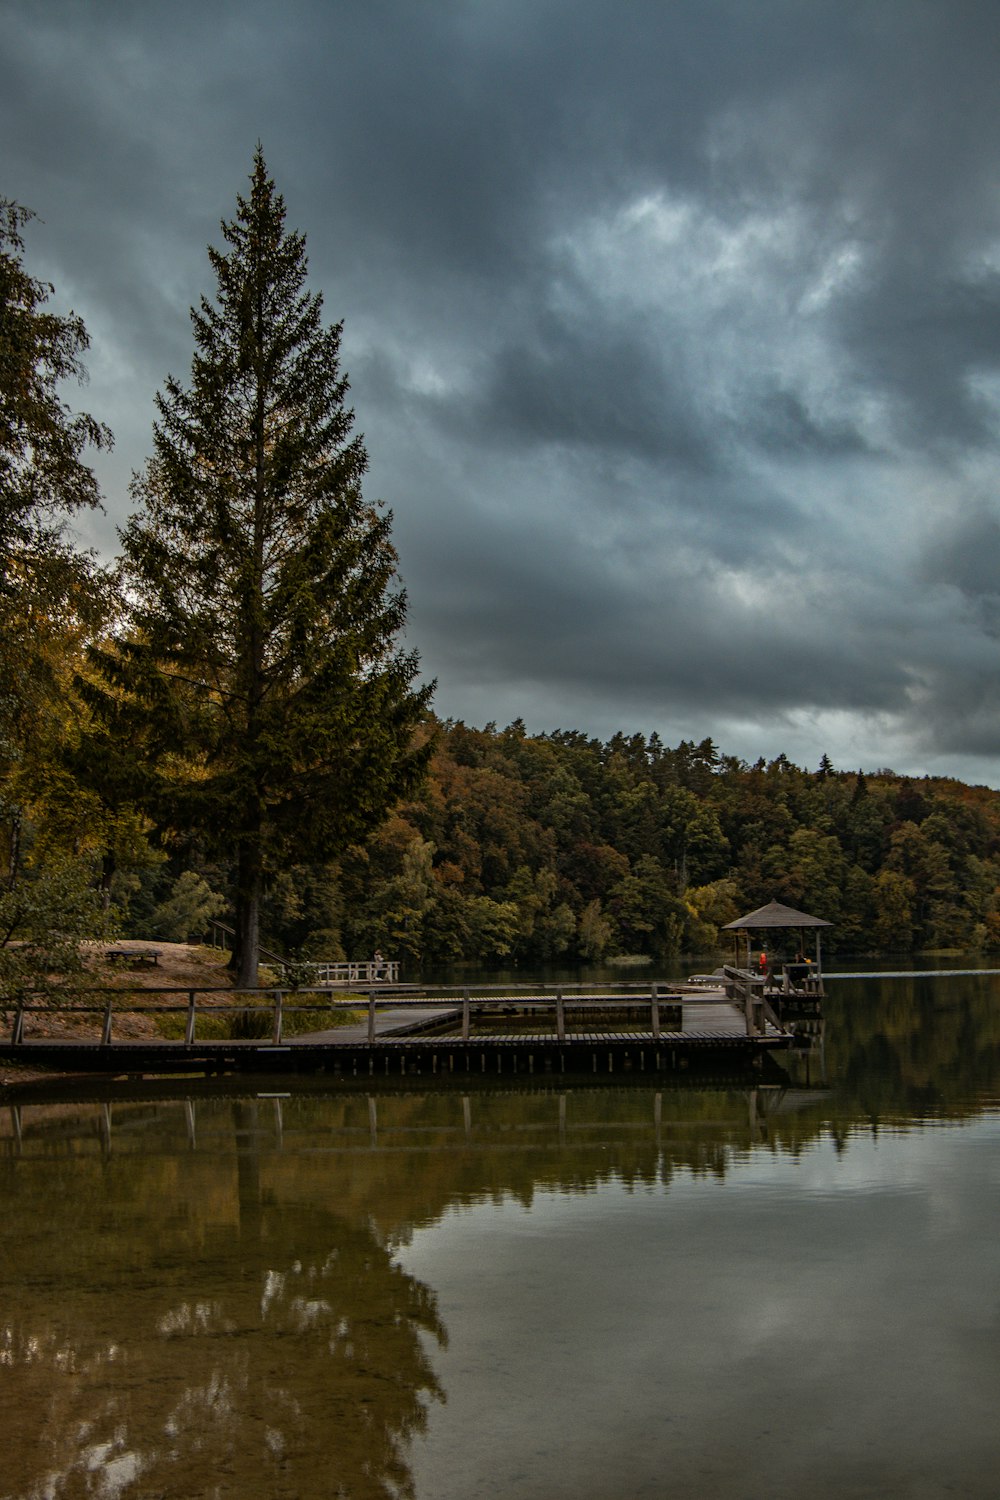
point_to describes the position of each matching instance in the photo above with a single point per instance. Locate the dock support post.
(17, 1035)
(654, 1013)
(560, 1017)
(371, 1018)
(278, 1017)
(465, 1015)
(106, 1030)
(189, 1028)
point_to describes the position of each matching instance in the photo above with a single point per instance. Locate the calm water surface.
(714, 1289)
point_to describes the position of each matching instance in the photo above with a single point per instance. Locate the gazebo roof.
(775, 915)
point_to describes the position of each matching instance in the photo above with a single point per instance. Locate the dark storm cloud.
(674, 331)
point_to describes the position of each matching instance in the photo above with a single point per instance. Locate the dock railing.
(265, 1010)
(746, 989)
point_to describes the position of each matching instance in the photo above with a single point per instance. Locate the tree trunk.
(14, 851)
(108, 867)
(249, 883)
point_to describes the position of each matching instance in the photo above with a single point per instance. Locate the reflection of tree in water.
(287, 1356)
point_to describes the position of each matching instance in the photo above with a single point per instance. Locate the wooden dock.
(511, 1031)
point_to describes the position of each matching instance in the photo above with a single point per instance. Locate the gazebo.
(776, 917)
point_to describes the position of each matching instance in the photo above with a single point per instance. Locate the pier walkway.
(558, 1031)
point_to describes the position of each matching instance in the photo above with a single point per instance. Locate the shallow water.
(589, 1291)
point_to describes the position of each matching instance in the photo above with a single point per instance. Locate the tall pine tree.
(264, 636)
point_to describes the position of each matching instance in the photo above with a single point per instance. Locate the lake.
(587, 1289)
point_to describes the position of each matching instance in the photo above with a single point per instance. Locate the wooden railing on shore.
(363, 971)
(368, 971)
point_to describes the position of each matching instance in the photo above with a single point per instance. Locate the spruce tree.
(267, 610)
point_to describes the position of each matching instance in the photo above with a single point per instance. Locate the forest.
(558, 848)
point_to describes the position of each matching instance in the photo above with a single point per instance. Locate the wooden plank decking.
(476, 1034)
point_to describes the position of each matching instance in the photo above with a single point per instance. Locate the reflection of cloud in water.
(755, 1335)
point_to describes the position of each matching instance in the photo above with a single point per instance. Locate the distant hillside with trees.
(558, 848)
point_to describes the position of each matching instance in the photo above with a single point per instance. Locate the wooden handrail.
(338, 971)
(275, 1001)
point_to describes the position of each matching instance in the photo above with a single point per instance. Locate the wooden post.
(654, 1013)
(17, 1035)
(465, 1015)
(189, 1028)
(560, 1016)
(278, 1017)
(748, 1004)
(371, 1018)
(106, 1031)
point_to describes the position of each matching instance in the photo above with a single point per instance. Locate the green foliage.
(529, 849)
(188, 909)
(42, 475)
(51, 596)
(44, 921)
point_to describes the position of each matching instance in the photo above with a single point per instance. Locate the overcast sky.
(673, 328)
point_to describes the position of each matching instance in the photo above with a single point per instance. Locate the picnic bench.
(133, 955)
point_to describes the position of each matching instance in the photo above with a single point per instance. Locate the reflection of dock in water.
(274, 1120)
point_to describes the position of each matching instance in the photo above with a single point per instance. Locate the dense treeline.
(559, 848)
